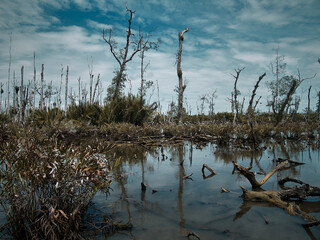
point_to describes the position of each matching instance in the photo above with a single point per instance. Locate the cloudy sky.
(223, 35)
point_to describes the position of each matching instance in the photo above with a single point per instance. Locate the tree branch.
(251, 176)
(109, 41)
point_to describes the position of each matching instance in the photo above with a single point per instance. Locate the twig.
(188, 176)
(223, 190)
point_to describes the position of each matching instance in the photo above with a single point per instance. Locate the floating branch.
(209, 168)
(193, 234)
(223, 190)
(188, 176)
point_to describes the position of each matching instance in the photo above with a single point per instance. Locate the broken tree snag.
(181, 86)
(143, 187)
(251, 175)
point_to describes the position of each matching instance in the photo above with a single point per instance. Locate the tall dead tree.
(41, 88)
(33, 97)
(95, 88)
(22, 100)
(1, 92)
(79, 89)
(147, 45)
(59, 101)
(181, 86)
(235, 102)
(308, 109)
(123, 56)
(9, 71)
(66, 92)
(15, 93)
(90, 67)
(252, 108)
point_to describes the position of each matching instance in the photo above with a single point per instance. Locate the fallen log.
(251, 175)
(277, 199)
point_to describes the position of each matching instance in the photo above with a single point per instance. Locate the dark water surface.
(178, 206)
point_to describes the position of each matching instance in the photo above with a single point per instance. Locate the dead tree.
(79, 89)
(181, 86)
(251, 109)
(235, 102)
(123, 56)
(33, 97)
(41, 88)
(59, 102)
(90, 67)
(294, 83)
(147, 45)
(15, 96)
(9, 71)
(22, 99)
(1, 92)
(308, 109)
(66, 91)
(95, 88)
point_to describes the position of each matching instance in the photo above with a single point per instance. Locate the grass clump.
(46, 186)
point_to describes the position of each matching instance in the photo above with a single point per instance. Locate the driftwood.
(223, 190)
(212, 172)
(209, 169)
(251, 175)
(278, 198)
(193, 234)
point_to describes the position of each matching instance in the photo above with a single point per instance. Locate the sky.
(223, 36)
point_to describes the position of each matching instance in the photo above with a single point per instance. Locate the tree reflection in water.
(180, 205)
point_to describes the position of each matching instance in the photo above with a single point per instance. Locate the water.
(178, 206)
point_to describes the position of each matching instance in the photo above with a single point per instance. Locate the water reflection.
(172, 205)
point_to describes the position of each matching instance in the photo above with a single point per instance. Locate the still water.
(172, 206)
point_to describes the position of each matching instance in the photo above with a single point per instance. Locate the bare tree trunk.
(235, 94)
(15, 96)
(34, 82)
(95, 88)
(41, 88)
(9, 71)
(250, 108)
(1, 92)
(22, 104)
(158, 105)
(66, 92)
(308, 110)
(142, 73)
(181, 86)
(100, 94)
(60, 88)
(79, 85)
(91, 80)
